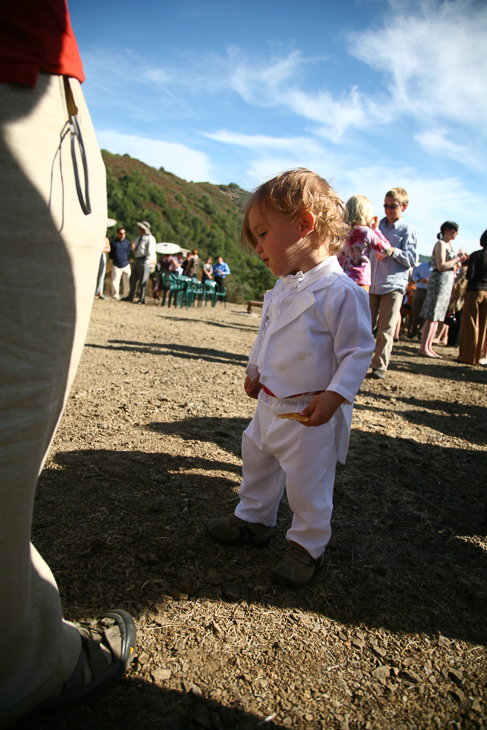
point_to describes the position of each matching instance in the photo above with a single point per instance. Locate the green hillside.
(194, 215)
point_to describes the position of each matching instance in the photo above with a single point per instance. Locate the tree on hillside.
(193, 215)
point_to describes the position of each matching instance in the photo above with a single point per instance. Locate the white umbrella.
(167, 248)
(110, 222)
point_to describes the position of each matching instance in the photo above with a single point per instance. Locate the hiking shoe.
(378, 373)
(232, 530)
(297, 567)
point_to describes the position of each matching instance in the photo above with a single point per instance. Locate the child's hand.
(322, 408)
(252, 387)
(374, 222)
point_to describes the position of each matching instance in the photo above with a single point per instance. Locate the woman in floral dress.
(444, 262)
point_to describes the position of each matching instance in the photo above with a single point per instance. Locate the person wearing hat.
(144, 250)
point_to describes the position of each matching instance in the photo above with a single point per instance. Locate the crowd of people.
(382, 259)
(147, 264)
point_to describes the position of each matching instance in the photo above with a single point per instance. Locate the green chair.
(172, 288)
(210, 292)
(194, 289)
(222, 295)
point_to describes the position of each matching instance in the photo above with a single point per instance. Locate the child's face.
(393, 209)
(283, 245)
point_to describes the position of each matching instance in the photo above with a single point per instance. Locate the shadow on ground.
(183, 351)
(400, 559)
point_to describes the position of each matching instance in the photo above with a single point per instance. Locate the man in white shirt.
(144, 250)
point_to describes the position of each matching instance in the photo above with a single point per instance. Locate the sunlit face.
(121, 234)
(393, 209)
(283, 245)
(450, 234)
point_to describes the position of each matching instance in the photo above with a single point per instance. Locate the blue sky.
(369, 93)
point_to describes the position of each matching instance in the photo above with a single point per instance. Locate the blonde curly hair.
(289, 195)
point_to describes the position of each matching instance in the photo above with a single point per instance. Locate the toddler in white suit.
(310, 357)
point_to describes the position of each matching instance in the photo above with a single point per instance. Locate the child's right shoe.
(231, 530)
(297, 567)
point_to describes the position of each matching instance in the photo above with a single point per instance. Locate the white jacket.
(322, 341)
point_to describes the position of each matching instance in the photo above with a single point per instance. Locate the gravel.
(390, 635)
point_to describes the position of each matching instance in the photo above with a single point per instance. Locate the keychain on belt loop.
(75, 131)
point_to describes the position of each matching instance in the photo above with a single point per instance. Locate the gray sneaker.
(232, 530)
(378, 373)
(297, 567)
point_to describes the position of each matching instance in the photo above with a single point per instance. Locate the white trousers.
(280, 454)
(117, 278)
(47, 240)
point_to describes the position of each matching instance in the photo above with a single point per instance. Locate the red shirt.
(36, 35)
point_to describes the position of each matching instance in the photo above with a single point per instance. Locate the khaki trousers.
(384, 309)
(51, 247)
(117, 278)
(473, 331)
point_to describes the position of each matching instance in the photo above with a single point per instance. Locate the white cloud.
(272, 155)
(277, 83)
(434, 55)
(437, 143)
(431, 201)
(296, 145)
(183, 161)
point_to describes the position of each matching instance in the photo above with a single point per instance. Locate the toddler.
(365, 234)
(311, 354)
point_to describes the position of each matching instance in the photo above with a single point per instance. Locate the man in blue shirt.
(420, 276)
(119, 253)
(220, 271)
(389, 275)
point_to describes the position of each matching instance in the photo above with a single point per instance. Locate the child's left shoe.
(297, 567)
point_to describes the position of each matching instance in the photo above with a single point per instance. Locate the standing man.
(44, 660)
(220, 271)
(119, 253)
(144, 250)
(389, 274)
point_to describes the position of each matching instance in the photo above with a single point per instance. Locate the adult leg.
(219, 282)
(116, 278)
(100, 282)
(429, 331)
(418, 299)
(135, 279)
(469, 331)
(482, 335)
(390, 306)
(45, 235)
(145, 273)
(124, 284)
(374, 304)
(441, 337)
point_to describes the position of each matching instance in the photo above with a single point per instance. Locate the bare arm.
(441, 262)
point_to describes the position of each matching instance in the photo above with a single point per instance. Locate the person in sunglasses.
(389, 276)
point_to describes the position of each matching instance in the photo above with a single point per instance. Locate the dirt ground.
(392, 632)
